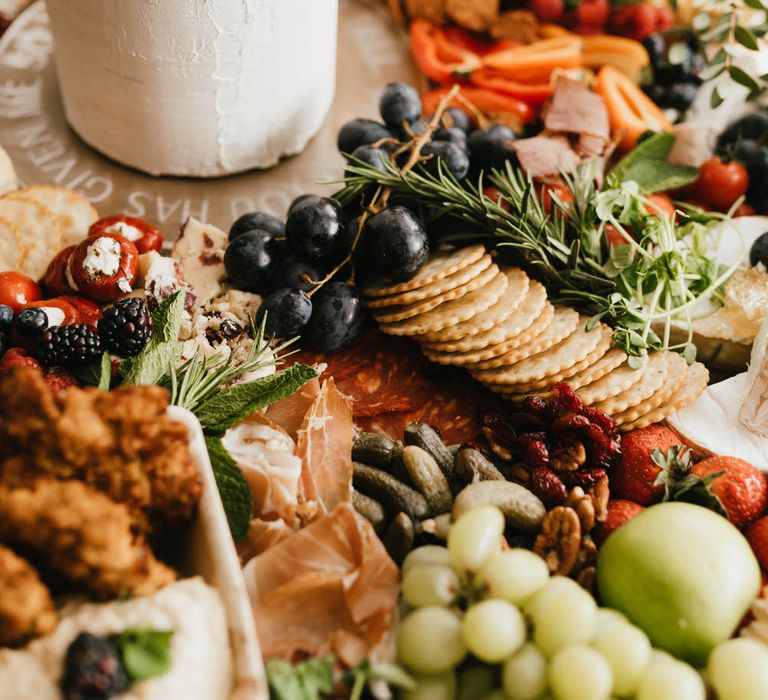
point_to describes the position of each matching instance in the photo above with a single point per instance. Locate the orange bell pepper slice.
(488, 102)
(532, 93)
(537, 61)
(630, 110)
(438, 58)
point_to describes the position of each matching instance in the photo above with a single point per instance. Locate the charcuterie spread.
(489, 422)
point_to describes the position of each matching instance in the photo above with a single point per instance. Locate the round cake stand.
(372, 51)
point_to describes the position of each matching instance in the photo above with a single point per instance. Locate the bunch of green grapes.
(487, 624)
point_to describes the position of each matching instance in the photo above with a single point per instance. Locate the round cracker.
(677, 368)
(612, 384)
(652, 379)
(565, 374)
(451, 312)
(441, 264)
(564, 322)
(610, 361)
(39, 230)
(457, 338)
(73, 211)
(11, 246)
(437, 288)
(401, 313)
(575, 348)
(694, 383)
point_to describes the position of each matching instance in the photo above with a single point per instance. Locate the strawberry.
(619, 512)
(757, 536)
(547, 10)
(17, 357)
(593, 13)
(740, 488)
(635, 21)
(58, 378)
(634, 478)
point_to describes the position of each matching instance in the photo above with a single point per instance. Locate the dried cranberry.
(548, 486)
(601, 418)
(535, 453)
(526, 422)
(597, 437)
(569, 423)
(567, 398)
(584, 477)
(535, 405)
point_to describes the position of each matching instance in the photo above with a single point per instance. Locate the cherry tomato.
(744, 209)
(71, 314)
(55, 279)
(144, 236)
(110, 273)
(660, 203)
(721, 184)
(494, 193)
(559, 191)
(17, 290)
(90, 313)
(612, 236)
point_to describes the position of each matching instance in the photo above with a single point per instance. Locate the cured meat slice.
(576, 109)
(545, 156)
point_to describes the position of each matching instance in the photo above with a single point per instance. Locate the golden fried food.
(82, 535)
(26, 608)
(121, 442)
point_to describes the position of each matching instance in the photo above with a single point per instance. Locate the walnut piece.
(476, 15)
(600, 493)
(568, 459)
(517, 25)
(559, 541)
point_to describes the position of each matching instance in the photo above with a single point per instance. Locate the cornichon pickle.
(428, 479)
(522, 509)
(426, 437)
(391, 493)
(472, 465)
(370, 509)
(398, 539)
(376, 449)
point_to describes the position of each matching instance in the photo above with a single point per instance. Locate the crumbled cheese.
(125, 230)
(102, 257)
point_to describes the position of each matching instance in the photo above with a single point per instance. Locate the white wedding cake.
(195, 87)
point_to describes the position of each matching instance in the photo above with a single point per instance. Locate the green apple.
(681, 573)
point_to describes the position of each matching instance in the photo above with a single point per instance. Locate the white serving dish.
(210, 553)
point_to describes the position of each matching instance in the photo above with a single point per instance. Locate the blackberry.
(93, 669)
(69, 345)
(125, 328)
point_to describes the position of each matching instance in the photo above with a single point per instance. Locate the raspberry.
(635, 21)
(93, 669)
(665, 18)
(57, 379)
(17, 357)
(593, 13)
(548, 486)
(124, 328)
(547, 10)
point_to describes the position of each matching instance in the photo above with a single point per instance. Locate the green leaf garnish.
(97, 373)
(229, 406)
(235, 493)
(303, 681)
(146, 652)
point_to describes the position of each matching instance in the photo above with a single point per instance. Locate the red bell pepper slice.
(487, 101)
(436, 56)
(532, 93)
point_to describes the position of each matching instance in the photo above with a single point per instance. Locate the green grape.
(476, 682)
(430, 584)
(607, 618)
(565, 617)
(578, 672)
(513, 575)
(441, 686)
(525, 674)
(428, 554)
(628, 651)
(738, 669)
(430, 640)
(551, 589)
(474, 537)
(493, 630)
(670, 679)
(495, 695)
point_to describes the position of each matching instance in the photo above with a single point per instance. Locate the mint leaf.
(97, 373)
(230, 406)
(647, 165)
(304, 681)
(146, 652)
(233, 488)
(163, 349)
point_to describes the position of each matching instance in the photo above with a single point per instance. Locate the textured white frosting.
(195, 87)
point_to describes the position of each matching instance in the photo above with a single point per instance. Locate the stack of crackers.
(37, 222)
(498, 324)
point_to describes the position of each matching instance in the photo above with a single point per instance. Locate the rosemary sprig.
(650, 284)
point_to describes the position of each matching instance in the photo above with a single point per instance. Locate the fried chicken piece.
(26, 608)
(121, 442)
(83, 536)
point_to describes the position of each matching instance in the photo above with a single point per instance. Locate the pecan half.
(559, 541)
(568, 459)
(497, 448)
(600, 493)
(586, 578)
(585, 509)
